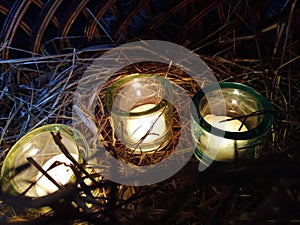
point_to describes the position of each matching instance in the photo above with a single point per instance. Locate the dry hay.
(39, 90)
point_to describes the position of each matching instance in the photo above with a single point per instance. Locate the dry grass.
(39, 90)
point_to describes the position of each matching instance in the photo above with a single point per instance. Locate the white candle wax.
(61, 174)
(219, 148)
(137, 128)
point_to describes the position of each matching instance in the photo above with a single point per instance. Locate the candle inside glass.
(58, 167)
(148, 128)
(229, 123)
(141, 112)
(19, 176)
(222, 148)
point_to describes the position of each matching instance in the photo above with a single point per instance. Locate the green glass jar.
(141, 111)
(20, 177)
(230, 123)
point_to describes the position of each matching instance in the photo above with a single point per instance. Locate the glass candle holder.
(230, 123)
(20, 177)
(141, 112)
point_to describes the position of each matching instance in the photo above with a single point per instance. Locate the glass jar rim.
(109, 96)
(260, 130)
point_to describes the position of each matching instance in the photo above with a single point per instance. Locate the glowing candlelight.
(225, 123)
(39, 146)
(147, 128)
(141, 111)
(58, 167)
(218, 134)
(219, 148)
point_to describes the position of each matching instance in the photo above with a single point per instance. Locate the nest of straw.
(240, 45)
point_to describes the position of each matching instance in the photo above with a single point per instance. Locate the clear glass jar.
(230, 123)
(20, 177)
(141, 111)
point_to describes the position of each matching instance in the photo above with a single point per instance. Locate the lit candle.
(219, 148)
(61, 173)
(141, 111)
(231, 100)
(155, 124)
